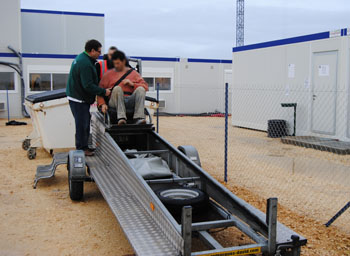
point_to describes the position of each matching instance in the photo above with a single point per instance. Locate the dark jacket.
(83, 81)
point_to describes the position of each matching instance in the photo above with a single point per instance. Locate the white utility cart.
(52, 120)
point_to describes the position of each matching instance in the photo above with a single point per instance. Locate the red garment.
(112, 76)
(103, 67)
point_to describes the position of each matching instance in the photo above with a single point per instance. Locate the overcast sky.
(202, 28)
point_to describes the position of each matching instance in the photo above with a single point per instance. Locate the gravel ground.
(46, 222)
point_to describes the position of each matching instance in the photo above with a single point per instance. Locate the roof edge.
(63, 12)
(293, 40)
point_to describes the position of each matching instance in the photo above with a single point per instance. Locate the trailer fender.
(191, 152)
(76, 165)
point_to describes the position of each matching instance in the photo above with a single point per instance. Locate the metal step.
(48, 171)
(145, 236)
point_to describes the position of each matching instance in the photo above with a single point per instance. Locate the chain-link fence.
(308, 172)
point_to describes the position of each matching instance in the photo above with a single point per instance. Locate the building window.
(59, 81)
(40, 82)
(47, 81)
(164, 83)
(150, 82)
(7, 81)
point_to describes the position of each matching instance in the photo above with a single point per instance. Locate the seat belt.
(118, 82)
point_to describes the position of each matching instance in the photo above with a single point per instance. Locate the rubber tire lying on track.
(176, 198)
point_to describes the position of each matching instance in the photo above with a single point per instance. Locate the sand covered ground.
(311, 186)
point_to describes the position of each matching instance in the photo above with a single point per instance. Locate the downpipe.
(20, 66)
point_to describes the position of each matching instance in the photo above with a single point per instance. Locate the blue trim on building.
(209, 60)
(63, 12)
(7, 54)
(72, 56)
(156, 58)
(49, 56)
(292, 40)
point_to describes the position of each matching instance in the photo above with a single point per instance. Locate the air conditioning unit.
(161, 103)
(2, 106)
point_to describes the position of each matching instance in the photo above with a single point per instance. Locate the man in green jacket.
(82, 88)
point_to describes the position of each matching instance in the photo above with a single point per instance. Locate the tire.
(31, 153)
(26, 144)
(175, 199)
(76, 189)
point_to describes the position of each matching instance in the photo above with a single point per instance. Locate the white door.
(228, 79)
(324, 87)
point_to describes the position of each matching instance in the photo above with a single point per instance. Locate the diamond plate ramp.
(143, 233)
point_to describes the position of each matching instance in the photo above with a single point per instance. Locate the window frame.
(159, 73)
(15, 80)
(41, 69)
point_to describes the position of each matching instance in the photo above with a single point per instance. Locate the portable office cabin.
(312, 71)
(49, 41)
(10, 32)
(188, 85)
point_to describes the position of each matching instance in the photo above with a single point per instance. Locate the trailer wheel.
(176, 198)
(31, 153)
(76, 189)
(26, 144)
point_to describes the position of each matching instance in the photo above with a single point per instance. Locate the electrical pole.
(240, 23)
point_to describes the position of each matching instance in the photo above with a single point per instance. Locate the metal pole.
(226, 127)
(186, 229)
(158, 108)
(7, 102)
(340, 212)
(295, 119)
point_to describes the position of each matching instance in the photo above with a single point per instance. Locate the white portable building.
(312, 71)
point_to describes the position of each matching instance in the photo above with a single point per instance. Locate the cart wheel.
(31, 153)
(76, 189)
(26, 144)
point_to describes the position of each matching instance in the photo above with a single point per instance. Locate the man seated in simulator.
(128, 90)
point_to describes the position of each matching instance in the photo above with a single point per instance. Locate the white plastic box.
(52, 120)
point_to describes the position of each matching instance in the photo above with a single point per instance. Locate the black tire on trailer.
(76, 189)
(175, 199)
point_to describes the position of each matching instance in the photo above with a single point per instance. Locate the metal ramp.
(48, 171)
(144, 235)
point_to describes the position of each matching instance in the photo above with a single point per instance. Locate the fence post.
(7, 103)
(226, 127)
(158, 108)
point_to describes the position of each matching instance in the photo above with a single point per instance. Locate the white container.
(52, 120)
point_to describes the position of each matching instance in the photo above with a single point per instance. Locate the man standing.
(129, 93)
(82, 88)
(104, 65)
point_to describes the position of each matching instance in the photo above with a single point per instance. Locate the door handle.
(314, 97)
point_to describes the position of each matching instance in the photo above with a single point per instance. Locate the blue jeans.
(82, 117)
